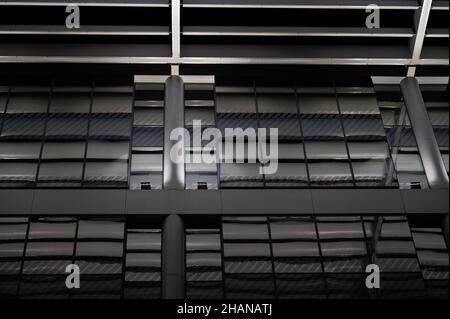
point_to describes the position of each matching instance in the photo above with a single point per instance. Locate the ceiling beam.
(421, 29)
(176, 28)
(108, 3)
(395, 80)
(218, 60)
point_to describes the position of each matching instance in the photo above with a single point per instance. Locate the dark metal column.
(173, 258)
(426, 141)
(173, 236)
(174, 169)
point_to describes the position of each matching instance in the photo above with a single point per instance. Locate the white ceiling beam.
(394, 80)
(111, 3)
(191, 79)
(176, 28)
(421, 25)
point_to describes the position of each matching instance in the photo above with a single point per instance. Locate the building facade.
(87, 169)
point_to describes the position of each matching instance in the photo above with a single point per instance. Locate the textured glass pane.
(65, 171)
(24, 172)
(108, 150)
(277, 103)
(70, 103)
(63, 150)
(19, 150)
(28, 103)
(318, 104)
(149, 116)
(358, 104)
(111, 103)
(236, 103)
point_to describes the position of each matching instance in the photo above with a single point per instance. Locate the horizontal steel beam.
(425, 80)
(218, 60)
(84, 30)
(224, 202)
(296, 32)
(301, 4)
(91, 3)
(227, 61)
(190, 79)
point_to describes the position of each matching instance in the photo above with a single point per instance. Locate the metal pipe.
(426, 141)
(174, 152)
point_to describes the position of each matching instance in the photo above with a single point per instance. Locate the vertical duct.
(173, 237)
(174, 168)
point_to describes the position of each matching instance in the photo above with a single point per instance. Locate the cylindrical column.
(173, 240)
(173, 258)
(174, 168)
(426, 141)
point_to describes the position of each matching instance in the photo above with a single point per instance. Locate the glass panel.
(328, 164)
(108, 150)
(30, 128)
(63, 127)
(318, 104)
(358, 104)
(70, 102)
(19, 150)
(395, 254)
(371, 163)
(204, 264)
(149, 116)
(99, 253)
(12, 243)
(20, 103)
(111, 103)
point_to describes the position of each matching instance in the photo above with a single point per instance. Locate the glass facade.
(62, 134)
(100, 134)
(110, 135)
(117, 258)
(242, 257)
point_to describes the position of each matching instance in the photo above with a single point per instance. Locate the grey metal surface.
(426, 141)
(174, 171)
(227, 202)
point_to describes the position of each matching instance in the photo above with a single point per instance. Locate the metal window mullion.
(130, 146)
(222, 256)
(8, 96)
(308, 174)
(75, 244)
(91, 103)
(22, 263)
(258, 124)
(415, 251)
(272, 258)
(370, 252)
(44, 134)
(124, 258)
(319, 245)
(216, 152)
(341, 120)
